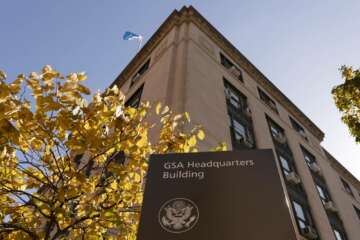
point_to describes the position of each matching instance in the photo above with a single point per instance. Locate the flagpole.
(133, 36)
(140, 42)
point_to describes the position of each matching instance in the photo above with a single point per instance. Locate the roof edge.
(337, 164)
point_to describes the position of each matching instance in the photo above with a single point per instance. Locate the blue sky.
(298, 45)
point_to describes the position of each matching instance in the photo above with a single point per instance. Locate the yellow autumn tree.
(60, 177)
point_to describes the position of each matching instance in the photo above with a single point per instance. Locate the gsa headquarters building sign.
(215, 195)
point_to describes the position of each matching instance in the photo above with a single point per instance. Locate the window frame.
(298, 128)
(236, 125)
(283, 159)
(299, 220)
(324, 191)
(347, 187)
(247, 141)
(275, 130)
(357, 211)
(135, 98)
(240, 122)
(341, 234)
(265, 98)
(230, 91)
(141, 71)
(307, 154)
(228, 64)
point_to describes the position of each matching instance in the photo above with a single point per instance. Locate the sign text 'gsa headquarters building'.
(215, 195)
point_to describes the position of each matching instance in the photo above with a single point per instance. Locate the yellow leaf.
(2, 75)
(14, 88)
(157, 108)
(20, 76)
(34, 75)
(224, 146)
(73, 77)
(201, 134)
(165, 110)
(83, 89)
(114, 185)
(192, 141)
(143, 141)
(177, 117)
(187, 116)
(115, 89)
(49, 75)
(88, 221)
(72, 192)
(47, 68)
(36, 144)
(221, 147)
(3, 153)
(131, 112)
(81, 76)
(186, 148)
(137, 178)
(109, 213)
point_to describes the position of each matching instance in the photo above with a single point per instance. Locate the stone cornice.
(190, 14)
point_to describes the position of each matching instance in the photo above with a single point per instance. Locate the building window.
(338, 234)
(140, 72)
(241, 137)
(277, 132)
(239, 130)
(285, 165)
(303, 219)
(267, 100)
(235, 99)
(134, 100)
(324, 196)
(309, 158)
(234, 70)
(347, 187)
(240, 118)
(357, 211)
(225, 61)
(298, 128)
(300, 215)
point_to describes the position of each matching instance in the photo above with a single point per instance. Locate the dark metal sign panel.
(213, 196)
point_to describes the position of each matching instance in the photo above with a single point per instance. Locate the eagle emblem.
(178, 215)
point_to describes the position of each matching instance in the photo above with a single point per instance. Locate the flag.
(130, 36)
